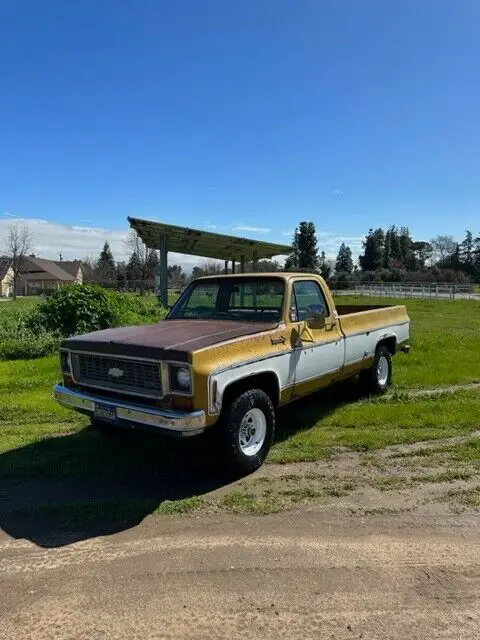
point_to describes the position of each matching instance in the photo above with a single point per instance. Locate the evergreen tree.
(456, 258)
(106, 264)
(304, 256)
(476, 259)
(324, 266)
(121, 272)
(133, 269)
(307, 247)
(387, 250)
(395, 247)
(467, 253)
(344, 263)
(406, 244)
(372, 257)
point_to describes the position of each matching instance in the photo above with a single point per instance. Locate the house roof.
(41, 269)
(70, 266)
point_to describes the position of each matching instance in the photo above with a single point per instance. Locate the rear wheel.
(247, 431)
(379, 377)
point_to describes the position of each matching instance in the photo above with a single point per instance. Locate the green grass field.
(40, 442)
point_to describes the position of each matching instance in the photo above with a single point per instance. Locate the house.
(6, 278)
(38, 275)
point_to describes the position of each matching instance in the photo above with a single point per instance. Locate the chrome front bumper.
(180, 423)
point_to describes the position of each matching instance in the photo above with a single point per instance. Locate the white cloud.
(8, 215)
(337, 192)
(209, 226)
(77, 242)
(245, 227)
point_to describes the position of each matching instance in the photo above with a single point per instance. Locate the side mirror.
(316, 319)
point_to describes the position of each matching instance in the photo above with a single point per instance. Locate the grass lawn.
(47, 449)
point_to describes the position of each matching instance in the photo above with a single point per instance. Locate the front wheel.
(379, 377)
(247, 432)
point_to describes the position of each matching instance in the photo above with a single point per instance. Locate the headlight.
(180, 379)
(65, 365)
(183, 379)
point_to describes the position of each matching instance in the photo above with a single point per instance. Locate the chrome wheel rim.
(382, 371)
(252, 432)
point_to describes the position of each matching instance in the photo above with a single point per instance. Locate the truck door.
(319, 346)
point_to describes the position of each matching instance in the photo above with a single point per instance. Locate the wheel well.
(267, 382)
(390, 343)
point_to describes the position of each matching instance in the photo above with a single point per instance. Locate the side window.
(309, 296)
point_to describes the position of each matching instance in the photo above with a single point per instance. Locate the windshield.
(249, 299)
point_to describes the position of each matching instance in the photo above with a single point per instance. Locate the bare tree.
(143, 261)
(443, 248)
(88, 269)
(18, 244)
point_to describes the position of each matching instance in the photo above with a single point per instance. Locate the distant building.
(6, 278)
(38, 275)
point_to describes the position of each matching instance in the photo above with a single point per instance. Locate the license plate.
(105, 413)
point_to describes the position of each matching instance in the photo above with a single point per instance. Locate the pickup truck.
(231, 350)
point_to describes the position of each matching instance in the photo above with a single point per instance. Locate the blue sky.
(244, 116)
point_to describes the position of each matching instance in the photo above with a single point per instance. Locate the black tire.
(233, 457)
(374, 378)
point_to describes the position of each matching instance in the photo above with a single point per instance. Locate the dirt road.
(301, 574)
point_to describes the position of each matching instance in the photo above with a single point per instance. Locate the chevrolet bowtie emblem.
(115, 373)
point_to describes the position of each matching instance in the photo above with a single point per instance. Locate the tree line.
(389, 255)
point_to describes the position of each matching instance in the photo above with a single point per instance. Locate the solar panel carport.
(169, 237)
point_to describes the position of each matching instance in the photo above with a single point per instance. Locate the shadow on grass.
(77, 486)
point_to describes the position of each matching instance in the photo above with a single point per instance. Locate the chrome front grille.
(123, 375)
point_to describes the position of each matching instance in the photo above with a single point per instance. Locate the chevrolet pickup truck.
(231, 350)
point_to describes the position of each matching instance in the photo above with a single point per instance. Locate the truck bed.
(363, 326)
(346, 309)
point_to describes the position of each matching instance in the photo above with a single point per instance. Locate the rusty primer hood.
(168, 339)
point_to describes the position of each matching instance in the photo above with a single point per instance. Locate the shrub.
(28, 346)
(80, 309)
(139, 310)
(33, 332)
(20, 339)
(77, 309)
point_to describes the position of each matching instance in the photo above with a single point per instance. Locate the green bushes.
(17, 338)
(28, 346)
(77, 309)
(82, 309)
(29, 330)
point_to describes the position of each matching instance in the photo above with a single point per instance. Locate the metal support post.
(162, 283)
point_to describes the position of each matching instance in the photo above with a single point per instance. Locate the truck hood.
(168, 339)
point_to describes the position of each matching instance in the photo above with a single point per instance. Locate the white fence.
(428, 290)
